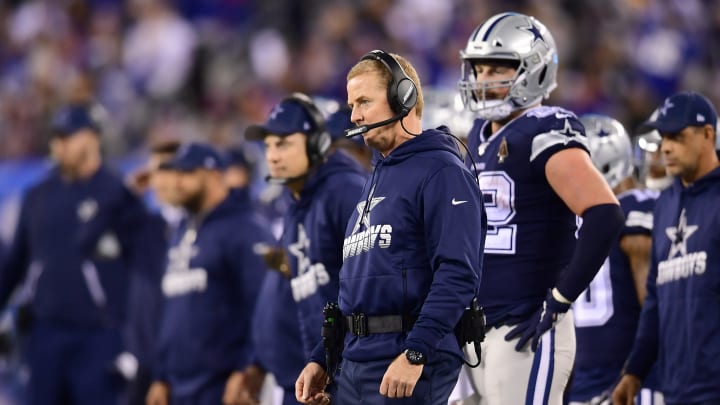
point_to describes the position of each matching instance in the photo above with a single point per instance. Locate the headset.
(402, 92)
(318, 140)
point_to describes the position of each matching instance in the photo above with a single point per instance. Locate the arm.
(572, 175)
(637, 250)
(13, 268)
(455, 236)
(576, 181)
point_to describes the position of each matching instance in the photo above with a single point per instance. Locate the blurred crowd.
(206, 69)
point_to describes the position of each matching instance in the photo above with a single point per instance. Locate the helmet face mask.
(610, 147)
(509, 38)
(650, 162)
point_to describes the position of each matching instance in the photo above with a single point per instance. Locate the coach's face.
(682, 151)
(286, 156)
(367, 96)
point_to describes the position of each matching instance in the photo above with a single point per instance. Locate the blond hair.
(372, 65)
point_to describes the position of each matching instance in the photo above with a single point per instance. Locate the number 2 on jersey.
(499, 199)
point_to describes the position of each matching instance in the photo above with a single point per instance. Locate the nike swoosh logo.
(456, 202)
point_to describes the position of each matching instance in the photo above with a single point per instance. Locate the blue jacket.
(413, 247)
(78, 242)
(314, 229)
(210, 285)
(680, 320)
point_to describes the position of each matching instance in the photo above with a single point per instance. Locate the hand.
(275, 258)
(310, 385)
(538, 323)
(625, 391)
(139, 181)
(158, 394)
(243, 388)
(400, 378)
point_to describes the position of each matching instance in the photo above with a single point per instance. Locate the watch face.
(414, 357)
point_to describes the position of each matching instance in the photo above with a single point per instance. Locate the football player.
(607, 312)
(536, 176)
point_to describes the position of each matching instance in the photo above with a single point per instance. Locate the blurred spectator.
(77, 239)
(194, 62)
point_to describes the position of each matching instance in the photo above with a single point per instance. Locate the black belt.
(363, 325)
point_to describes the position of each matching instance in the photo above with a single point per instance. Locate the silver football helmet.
(610, 147)
(509, 37)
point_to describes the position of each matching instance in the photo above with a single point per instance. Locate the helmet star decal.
(534, 31)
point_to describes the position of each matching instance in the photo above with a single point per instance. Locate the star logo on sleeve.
(679, 235)
(569, 132)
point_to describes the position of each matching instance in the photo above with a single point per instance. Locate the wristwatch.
(415, 357)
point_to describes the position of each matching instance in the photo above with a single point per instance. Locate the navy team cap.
(286, 118)
(193, 156)
(70, 119)
(681, 110)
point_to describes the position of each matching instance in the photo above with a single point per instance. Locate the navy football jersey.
(531, 232)
(606, 314)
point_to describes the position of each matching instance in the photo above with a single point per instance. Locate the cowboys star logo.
(300, 249)
(679, 235)
(364, 216)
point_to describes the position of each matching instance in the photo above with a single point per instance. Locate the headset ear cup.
(392, 96)
(406, 95)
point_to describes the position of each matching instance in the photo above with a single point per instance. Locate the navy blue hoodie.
(680, 319)
(79, 242)
(313, 237)
(413, 247)
(211, 285)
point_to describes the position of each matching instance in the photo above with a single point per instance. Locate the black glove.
(538, 323)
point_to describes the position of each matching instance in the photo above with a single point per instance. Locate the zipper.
(92, 280)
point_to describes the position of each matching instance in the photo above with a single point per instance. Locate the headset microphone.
(349, 133)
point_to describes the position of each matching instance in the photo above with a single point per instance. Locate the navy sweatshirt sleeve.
(455, 235)
(15, 263)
